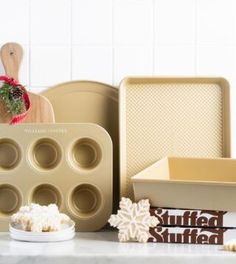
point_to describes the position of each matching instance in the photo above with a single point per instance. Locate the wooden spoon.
(41, 110)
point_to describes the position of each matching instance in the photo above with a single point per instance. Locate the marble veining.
(103, 247)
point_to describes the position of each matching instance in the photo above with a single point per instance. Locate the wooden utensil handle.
(11, 56)
(41, 110)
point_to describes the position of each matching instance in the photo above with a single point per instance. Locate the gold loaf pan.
(192, 183)
(66, 164)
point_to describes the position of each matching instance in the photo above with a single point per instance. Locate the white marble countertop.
(103, 248)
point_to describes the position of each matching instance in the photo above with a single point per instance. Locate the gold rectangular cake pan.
(179, 117)
(193, 183)
(66, 164)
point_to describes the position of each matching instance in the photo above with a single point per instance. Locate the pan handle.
(11, 55)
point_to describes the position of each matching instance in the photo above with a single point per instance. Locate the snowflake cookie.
(133, 220)
(37, 218)
(230, 245)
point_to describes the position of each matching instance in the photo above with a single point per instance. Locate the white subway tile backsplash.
(92, 63)
(50, 22)
(37, 89)
(14, 21)
(175, 60)
(174, 22)
(24, 68)
(49, 65)
(106, 40)
(133, 22)
(132, 61)
(2, 72)
(216, 60)
(216, 22)
(91, 22)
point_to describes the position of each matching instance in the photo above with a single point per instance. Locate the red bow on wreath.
(15, 97)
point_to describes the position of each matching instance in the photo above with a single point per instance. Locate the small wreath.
(15, 97)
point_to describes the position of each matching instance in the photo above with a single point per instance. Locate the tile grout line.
(29, 44)
(112, 42)
(196, 37)
(71, 40)
(153, 37)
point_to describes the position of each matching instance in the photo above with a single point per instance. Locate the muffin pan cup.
(10, 154)
(178, 117)
(90, 102)
(208, 184)
(66, 164)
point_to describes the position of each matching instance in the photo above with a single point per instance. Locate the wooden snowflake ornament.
(133, 220)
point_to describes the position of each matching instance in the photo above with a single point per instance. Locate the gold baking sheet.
(184, 117)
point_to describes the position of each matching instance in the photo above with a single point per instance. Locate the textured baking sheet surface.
(182, 117)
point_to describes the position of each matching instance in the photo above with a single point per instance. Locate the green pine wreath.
(11, 93)
(12, 97)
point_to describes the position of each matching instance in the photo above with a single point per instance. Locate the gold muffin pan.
(90, 102)
(66, 164)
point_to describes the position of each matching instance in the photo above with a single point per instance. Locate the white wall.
(106, 40)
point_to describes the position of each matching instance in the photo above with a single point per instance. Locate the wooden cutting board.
(41, 110)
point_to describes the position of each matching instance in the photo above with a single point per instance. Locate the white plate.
(68, 232)
(48, 238)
